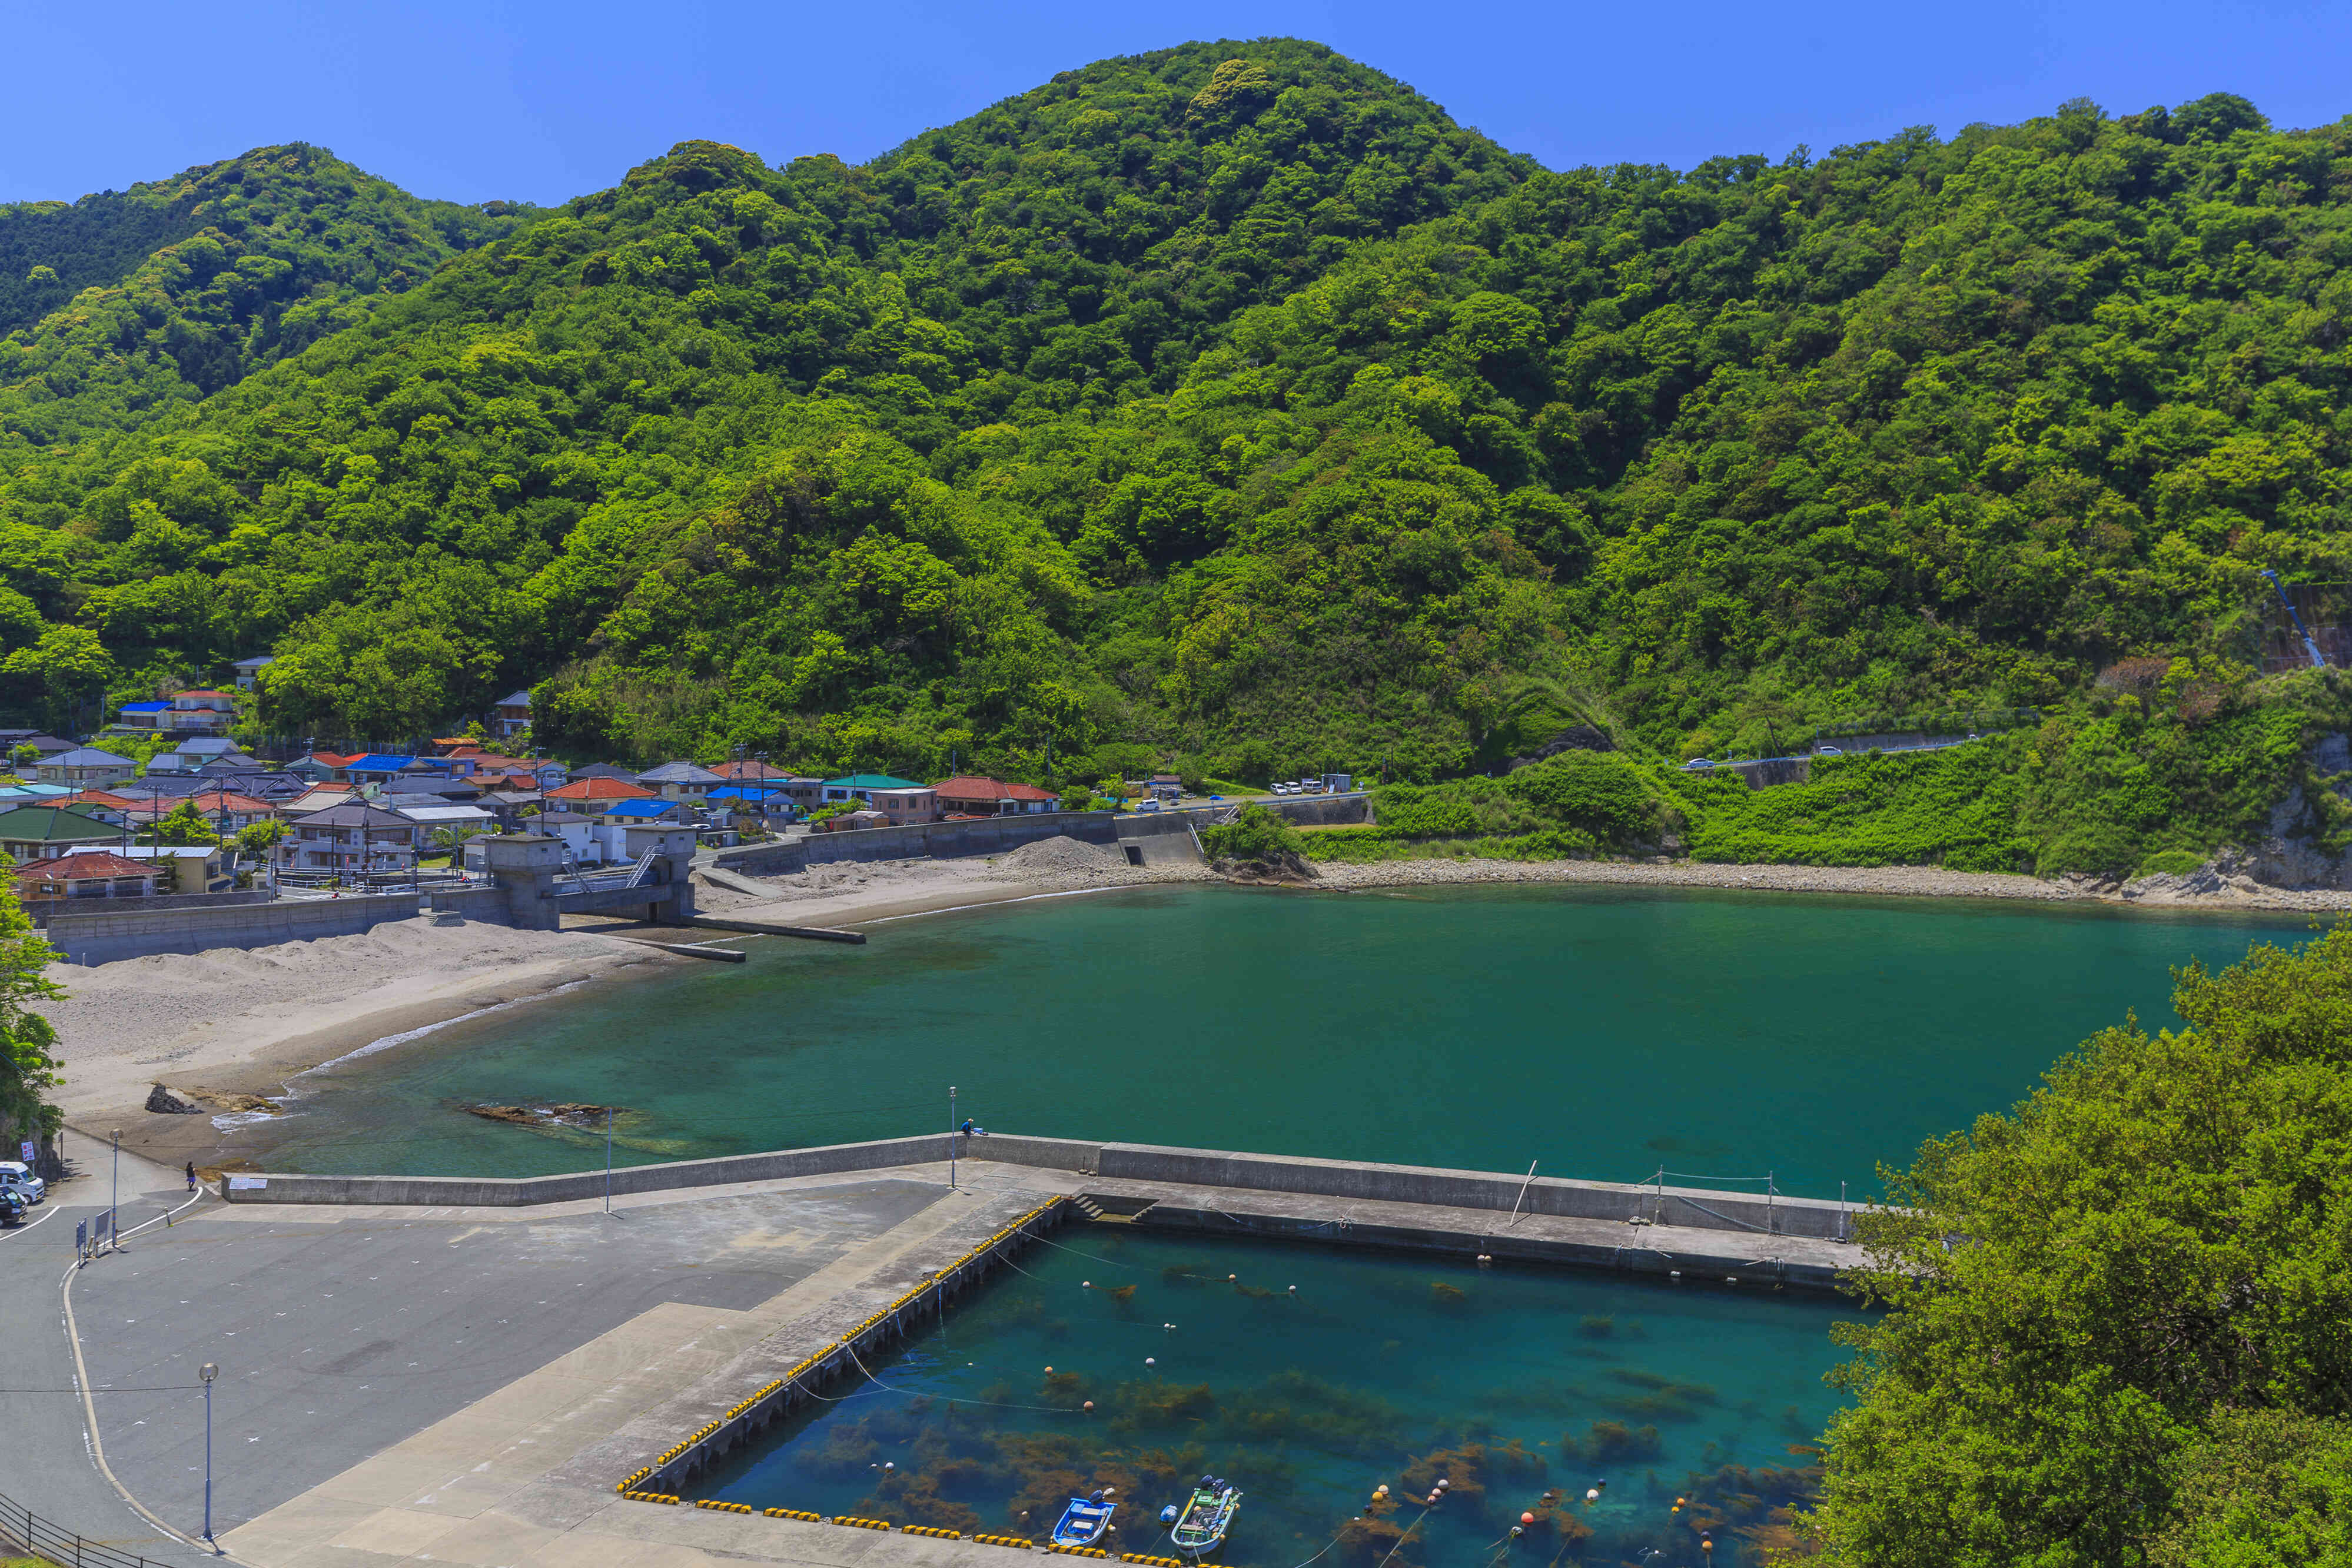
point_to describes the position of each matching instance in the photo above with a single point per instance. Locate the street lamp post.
(951, 1138)
(114, 1200)
(208, 1372)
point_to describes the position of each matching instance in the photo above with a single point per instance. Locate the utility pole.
(608, 1159)
(208, 1372)
(114, 1203)
(951, 1138)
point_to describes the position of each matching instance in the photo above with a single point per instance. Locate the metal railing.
(24, 1532)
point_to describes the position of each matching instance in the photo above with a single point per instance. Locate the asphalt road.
(338, 1337)
(49, 1468)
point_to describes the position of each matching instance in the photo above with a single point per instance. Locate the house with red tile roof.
(596, 789)
(84, 874)
(968, 795)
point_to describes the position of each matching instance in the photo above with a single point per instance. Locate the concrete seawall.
(937, 840)
(1695, 1208)
(134, 933)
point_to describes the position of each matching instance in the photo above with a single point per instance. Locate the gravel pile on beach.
(1070, 863)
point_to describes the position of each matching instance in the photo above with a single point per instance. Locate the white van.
(17, 1175)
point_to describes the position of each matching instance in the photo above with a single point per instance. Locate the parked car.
(38, 1187)
(1829, 751)
(12, 1209)
(20, 1188)
(1697, 765)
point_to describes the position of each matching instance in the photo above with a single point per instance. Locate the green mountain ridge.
(172, 291)
(1231, 405)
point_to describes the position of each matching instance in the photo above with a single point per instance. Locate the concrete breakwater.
(677, 1466)
(1208, 1169)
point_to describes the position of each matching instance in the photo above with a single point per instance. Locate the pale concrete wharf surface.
(411, 1385)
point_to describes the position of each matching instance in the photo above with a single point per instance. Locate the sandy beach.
(237, 1022)
(232, 1023)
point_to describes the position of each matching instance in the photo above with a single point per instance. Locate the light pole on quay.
(208, 1372)
(951, 1138)
(114, 1199)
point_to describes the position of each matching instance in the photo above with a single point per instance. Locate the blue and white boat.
(1083, 1522)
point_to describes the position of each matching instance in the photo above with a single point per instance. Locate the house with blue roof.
(144, 716)
(641, 812)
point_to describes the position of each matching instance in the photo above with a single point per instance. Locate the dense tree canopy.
(1230, 401)
(2118, 1316)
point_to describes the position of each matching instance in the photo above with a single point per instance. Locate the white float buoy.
(1150, 1361)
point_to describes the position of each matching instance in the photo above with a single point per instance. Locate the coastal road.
(340, 1333)
(50, 1468)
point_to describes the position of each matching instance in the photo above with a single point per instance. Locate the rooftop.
(872, 781)
(678, 772)
(80, 865)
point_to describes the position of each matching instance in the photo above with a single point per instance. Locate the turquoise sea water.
(1525, 1388)
(1602, 1033)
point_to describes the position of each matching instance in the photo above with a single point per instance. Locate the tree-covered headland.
(2120, 1316)
(1230, 408)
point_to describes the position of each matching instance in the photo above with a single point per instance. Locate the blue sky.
(471, 100)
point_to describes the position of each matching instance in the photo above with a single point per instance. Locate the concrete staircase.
(1112, 1211)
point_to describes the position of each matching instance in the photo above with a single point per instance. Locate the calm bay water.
(1600, 1031)
(1313, 1375)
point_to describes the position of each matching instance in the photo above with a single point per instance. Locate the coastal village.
(165, 803)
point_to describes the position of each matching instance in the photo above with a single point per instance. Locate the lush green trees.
(2117, 1325)
(1229, 400)
(28, 1070)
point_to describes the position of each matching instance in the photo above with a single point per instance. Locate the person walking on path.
(192, 1175)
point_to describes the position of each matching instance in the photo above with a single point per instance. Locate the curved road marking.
(22, 1228)
(89, 1407)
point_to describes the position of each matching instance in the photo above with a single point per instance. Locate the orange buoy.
(1526, 1518)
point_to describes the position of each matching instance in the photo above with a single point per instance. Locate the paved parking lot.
(338, 1334)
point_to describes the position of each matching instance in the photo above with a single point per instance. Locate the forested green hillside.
(1231, 404)
(123, 305)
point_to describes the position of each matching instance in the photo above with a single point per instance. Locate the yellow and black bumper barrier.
(1006, 1541)
(1079, 1551)
(932, 1530)
(909, 1300)
(802, 1515)
(725, 1506)
(861, 1523)
(651, 1497)
(1150, 1561)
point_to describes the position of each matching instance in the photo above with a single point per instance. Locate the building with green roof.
(38, 832)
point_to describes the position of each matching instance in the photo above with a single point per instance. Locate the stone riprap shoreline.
(2196, 890)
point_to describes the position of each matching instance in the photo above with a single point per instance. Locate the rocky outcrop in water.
(567, 1113)
(165, 1101)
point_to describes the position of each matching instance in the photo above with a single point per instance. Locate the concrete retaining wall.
(490, 1191)
(135, 932)
(43, 911)
(1699, 1208)
(488, 904)
(938, 841)
(1704, 1208)
(1770, 771)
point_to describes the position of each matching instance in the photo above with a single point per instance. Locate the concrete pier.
(421, 1369)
